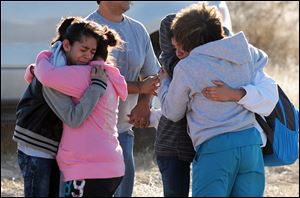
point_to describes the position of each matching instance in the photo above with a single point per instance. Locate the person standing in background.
(138, 64)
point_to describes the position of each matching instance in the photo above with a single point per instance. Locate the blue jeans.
(126, 186)
(41, 176)
(175, 176)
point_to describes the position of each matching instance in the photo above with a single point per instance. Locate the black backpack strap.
(263, 124)
(268, 149)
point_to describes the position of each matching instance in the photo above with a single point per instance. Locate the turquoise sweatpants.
(236, 171)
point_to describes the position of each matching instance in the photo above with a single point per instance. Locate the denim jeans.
(41, 176)
(126, 186)
(175, 176)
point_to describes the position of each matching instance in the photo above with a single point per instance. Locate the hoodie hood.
(58, 57)
(115, 77)
(233, 49)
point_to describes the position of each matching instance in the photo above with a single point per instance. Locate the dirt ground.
(280, 181)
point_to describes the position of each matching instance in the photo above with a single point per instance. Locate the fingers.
(153, 79)
(218, 82)
(138, 123)
(31, 69)
(99, 72)
(131, 119)
(150, 85)
(94, 70)
(210, 93)
(144, 124)
(157, 80)
(141, 123)
(156, 84)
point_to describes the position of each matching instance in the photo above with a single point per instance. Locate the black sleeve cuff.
(99, 82)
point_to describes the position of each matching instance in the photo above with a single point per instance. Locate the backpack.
(282, 131)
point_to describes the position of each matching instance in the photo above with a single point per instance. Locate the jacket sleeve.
(261, 96)
(69, 112)
(70, 80)
(174, 96)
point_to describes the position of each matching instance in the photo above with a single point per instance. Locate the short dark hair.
(98, 2)
(196, 25)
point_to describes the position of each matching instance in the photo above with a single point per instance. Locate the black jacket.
(36, 124)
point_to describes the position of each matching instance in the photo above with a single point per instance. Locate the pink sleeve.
(28, 74)
(70, 80)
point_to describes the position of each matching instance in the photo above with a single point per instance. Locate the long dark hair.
(74, 28)
(110, 38)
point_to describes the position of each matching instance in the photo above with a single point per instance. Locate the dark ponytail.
(109, 38)
(62, 27)
(75, 28)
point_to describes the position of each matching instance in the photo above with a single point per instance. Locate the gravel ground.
(280, 181)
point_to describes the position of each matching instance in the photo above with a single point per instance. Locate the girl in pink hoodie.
(90, 155)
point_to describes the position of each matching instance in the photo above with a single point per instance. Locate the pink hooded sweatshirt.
(91, 151)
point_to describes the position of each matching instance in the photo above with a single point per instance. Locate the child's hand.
(149, 85)
(29, 73)
(98, 72)
(223, 93)
(31, 68)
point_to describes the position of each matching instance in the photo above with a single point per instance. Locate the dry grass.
(288, 79)
(271, 26)
(280, 181)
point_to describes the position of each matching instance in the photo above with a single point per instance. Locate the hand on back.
(99, 73)
(223, 93)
